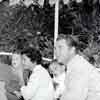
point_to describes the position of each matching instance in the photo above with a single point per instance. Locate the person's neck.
(70, 58)
(33, 66)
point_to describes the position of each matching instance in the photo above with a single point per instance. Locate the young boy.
(58, 72)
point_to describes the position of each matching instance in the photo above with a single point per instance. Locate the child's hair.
(53, 61)
(54, 66)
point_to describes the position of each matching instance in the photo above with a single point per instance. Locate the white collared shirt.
(60, 79)
(39, 87)
(82, 81)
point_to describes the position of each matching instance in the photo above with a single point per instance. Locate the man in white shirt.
(39, 86)
(82, 79)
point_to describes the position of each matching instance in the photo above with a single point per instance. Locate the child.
(58, 72)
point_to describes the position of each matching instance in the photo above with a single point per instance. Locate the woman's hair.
(33, 54)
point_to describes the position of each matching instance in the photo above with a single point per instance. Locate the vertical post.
(56, 22)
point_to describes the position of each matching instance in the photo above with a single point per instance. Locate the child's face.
(56, 69)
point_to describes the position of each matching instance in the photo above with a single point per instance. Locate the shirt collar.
(73, 60)
(37, 67)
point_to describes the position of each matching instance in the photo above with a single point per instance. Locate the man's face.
(62, 51)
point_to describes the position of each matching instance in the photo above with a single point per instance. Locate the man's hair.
(33, 54)
(70, 40)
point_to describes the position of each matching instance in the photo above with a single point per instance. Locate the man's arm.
(77, 86)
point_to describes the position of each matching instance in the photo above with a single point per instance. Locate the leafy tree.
(22, 26)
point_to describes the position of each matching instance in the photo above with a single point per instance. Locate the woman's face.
(27, 62)
(16, 60)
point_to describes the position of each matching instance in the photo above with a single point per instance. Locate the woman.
(39, 85)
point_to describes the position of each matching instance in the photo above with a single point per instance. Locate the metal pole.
(56, 22)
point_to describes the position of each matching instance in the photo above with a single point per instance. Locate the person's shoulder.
(5, 67)
(44, 72)
(83, 61)
(40, 68)
(2, 64)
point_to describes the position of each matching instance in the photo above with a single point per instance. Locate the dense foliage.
(34, 26)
